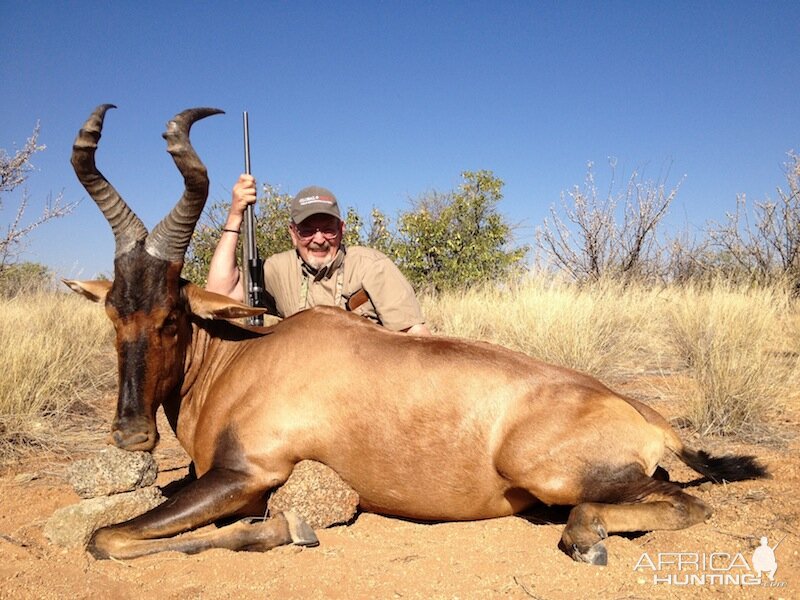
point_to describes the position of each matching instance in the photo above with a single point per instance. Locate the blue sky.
(384, 101)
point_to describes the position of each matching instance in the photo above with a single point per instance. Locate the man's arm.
(223, 274)
(393, 297)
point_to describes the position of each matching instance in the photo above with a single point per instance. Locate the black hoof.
(301, 532)
(661, 474)
(595, 555)
(97, 553)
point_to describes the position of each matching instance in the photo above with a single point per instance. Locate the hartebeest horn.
(170, 238)
(127, 227)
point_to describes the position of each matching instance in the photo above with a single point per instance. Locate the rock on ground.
(72, 526)
(316, 493)
(112, 471)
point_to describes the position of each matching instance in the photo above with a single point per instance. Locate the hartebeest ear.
(209, 305)
(95, 290)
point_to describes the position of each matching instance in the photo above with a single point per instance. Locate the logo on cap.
(315, 200)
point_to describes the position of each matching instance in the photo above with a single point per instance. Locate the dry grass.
(741, 352)
(603, 329)
(56, 355)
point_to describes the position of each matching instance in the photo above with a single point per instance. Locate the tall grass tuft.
(56, 355)
(600, 329)
(741, 357)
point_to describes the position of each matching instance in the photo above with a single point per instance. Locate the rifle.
(253, 267)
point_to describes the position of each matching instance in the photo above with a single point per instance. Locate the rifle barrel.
(252, 264)
(246, 129)
(249, 215)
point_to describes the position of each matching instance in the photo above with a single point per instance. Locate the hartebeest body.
(426, 428)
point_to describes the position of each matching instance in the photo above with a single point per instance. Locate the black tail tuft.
(723, 468)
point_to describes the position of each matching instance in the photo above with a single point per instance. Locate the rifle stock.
(253, 266)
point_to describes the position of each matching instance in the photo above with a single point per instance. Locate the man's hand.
(418, 329)
(244, 194)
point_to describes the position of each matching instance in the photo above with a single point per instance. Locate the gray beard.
(317, 263)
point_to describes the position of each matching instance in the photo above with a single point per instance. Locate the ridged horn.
(170, 238)
(127, 227)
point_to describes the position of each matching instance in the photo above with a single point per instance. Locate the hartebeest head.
(148, 302)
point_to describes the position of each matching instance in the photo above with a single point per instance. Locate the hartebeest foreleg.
(218, 493)
(664, 507)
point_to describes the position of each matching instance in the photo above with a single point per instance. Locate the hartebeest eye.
(170, 325)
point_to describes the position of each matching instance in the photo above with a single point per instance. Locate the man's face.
(317, 239)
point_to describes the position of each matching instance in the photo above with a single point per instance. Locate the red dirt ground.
(380, 557)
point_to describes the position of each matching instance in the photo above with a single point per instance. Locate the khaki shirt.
(392, 302)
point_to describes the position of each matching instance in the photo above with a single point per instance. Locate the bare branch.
(13, 174)
(14, 169)
(764, 242)
(589, 243)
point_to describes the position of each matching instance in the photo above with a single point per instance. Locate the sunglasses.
(329, 232)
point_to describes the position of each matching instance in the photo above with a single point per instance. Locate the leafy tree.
(23, 277)
(378, 236)
(457, 239)
(353, 228)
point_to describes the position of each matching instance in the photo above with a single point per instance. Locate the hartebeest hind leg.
(218, 493)
(647, 505)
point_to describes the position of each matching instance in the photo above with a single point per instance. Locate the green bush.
(457, 240)
(23, 278)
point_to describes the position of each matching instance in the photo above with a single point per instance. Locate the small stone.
(756, 495)
(112, 471)
(72, 526)
(317, 494)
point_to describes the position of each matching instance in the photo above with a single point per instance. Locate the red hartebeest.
(426, 428)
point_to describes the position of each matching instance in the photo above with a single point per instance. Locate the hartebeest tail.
(721, 469)
(717, 469)
(427, 428)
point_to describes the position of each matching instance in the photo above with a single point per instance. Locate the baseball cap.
(314, 200)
